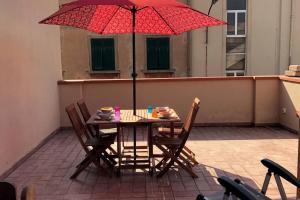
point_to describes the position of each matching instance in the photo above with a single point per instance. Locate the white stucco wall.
(30, 67)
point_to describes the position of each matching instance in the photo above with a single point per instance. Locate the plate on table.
(165, 114)
(163, 109)
(104, 117)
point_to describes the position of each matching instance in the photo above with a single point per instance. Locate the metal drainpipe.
(278, 52)
(213, 2)
(291, 31)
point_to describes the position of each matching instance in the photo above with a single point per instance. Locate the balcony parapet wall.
(248, 100)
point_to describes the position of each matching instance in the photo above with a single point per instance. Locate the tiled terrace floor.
(221, 151)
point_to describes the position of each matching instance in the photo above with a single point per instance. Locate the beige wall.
(268, 38)
(266, 101)
(30, 66)
(76, 54)
(216, 42)
(272, 44)
(289, 104)
(222, 100)
(295, 42)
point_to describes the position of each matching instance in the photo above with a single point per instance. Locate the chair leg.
(84, 164)
(106, 161)
(163, 161)
(112, 150)
(109, 158)
(186, 168)
(189, 156)
(174, 158)
(166, 168)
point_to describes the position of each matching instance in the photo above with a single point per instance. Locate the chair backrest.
(84, 110)
(86, 115)
(7, 191)
(187, 126)
(28, 193)
(78, 126)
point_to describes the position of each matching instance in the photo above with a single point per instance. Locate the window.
(235, 73)
(158, 53)
(103, 54)
(236, 37)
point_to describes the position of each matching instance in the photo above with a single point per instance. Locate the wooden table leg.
(97, 129)
(119, 150)
(172, 128)
(150, 146)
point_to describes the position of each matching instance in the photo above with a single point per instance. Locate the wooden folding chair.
(7, 191)
(93, 129)
(175, 132)
(28, 193)
(94, 147)
(172, 147)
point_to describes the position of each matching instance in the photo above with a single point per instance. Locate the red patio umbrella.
(164, 17)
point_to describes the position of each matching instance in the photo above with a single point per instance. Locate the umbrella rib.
(110, 19)
(124, 8)
(142, 8)
(222, 22)
(164, 20)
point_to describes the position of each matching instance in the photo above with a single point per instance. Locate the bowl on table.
(105, 113)
(163, 109)
(106, 109)
(105, 116)
(165, 114)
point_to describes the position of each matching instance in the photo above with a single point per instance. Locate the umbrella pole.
(134, 75)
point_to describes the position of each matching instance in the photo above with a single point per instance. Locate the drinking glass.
(150, 108)
(154, 113)
(117, 113)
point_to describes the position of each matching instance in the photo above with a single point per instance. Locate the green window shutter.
(164, 53)
(158, 53)
(103, 54)
(151, 54)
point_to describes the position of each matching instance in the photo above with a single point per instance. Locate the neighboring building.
(261, 38)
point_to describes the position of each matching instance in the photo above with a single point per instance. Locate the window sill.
(167, 71)
(105, 72)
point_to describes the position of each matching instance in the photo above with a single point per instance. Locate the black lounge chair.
(244, 192)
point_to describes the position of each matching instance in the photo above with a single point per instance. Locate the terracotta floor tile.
(232, 151)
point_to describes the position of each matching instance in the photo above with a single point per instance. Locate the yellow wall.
(30, 66)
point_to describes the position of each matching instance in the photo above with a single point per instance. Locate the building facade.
(261, 38)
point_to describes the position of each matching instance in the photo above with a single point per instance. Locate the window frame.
(236, 35)
(146, 69)
(235, 72)
(236, 12)
(91, 70)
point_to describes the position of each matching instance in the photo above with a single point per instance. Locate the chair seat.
(167, 141)
(106, 140)
(167, 131)
(108, 131)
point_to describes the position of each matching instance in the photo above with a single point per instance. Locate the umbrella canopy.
(164, 17)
